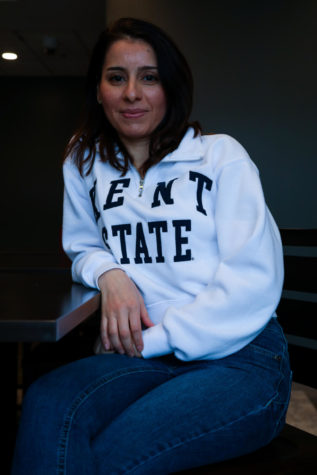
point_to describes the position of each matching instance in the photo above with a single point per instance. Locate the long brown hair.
(96, 132)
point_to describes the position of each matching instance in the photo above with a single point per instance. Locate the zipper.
(141, 186)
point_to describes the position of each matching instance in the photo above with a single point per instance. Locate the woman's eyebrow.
(148, 67)
(115, 68)
(120, 68)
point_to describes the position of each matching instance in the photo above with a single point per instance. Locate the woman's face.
(130, 90)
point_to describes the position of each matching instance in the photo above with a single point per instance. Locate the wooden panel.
(299, 237)
(300, 273)
(303, 364)
(298, 317)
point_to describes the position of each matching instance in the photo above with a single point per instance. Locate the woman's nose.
(133, 90)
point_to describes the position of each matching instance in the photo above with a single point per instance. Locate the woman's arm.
(82, 240)
(122, 306)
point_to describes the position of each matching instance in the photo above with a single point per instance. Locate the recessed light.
(9, 56)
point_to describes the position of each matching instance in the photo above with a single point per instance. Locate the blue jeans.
(111, 414)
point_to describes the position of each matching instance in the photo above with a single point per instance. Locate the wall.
(255, 71)
(38, 116)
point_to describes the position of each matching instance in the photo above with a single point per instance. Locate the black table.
(42, 305)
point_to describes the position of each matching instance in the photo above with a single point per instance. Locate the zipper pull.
(141, 186)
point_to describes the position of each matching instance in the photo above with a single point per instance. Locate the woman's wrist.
(103, 277)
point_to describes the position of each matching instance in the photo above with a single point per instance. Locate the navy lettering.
(113, 190)
(140, 246)
(158, 227)
(165, 192)
(92, 194)
(104, 234)
(122, 229)
(180, 240)
(202, 180)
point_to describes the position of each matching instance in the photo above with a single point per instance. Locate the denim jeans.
(111, 414)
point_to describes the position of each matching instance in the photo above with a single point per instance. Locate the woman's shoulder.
(196, 142)
(72, 161)
(222, 140)
(223, 149)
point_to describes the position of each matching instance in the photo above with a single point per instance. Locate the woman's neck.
(138, 150)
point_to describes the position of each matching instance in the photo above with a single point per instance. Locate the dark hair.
(176, 79)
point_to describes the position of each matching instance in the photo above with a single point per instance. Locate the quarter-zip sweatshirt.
(195, 236)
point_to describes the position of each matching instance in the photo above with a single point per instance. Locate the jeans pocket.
(267, 356)
(271, 349)
(271, 343)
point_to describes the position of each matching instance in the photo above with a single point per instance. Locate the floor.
(302, 411)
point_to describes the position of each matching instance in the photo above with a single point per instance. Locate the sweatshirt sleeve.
(82, 240)
(245, 290)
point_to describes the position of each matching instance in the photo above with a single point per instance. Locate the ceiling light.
(9, 56)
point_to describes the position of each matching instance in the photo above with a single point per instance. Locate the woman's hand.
(122, 311)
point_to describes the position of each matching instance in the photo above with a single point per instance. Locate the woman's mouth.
(133, 113)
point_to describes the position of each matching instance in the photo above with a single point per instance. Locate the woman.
(173, 229)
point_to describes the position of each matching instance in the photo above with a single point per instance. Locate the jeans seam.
(283, 376)
(79, 400)
(256, 411)
(202, 434)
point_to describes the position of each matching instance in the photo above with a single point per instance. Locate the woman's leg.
(210, 411)
(112, 414)
(65, 409)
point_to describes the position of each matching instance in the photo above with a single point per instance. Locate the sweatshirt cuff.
(102, 269)
(155, 342)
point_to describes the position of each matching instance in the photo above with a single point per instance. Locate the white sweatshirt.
(196, 238)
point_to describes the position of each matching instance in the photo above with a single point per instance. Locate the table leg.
(8, 406)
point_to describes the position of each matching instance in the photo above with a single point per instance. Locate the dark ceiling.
(30, 28)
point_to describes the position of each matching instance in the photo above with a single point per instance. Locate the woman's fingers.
(145, 316)
(122, 334)
(123, 310)
(113, 334)
(136, 329)
(104, 332)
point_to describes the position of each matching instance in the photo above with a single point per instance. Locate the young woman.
(172, 227)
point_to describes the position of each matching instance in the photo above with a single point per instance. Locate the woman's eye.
(116, 79)
(152, 78)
